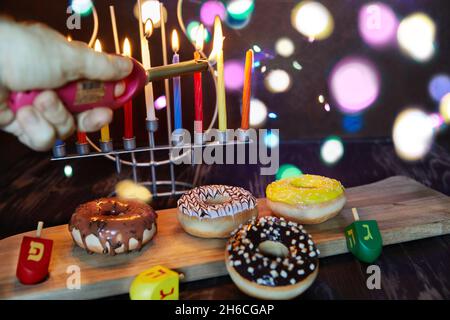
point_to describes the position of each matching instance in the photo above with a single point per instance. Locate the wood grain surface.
(405, 210)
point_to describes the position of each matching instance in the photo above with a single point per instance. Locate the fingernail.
(45, 102)
(124, 65)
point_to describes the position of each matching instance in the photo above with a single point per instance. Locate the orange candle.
(247, 93)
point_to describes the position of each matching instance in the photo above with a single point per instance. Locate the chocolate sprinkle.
(268, 270)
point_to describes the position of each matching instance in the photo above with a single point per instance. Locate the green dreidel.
(364, 239)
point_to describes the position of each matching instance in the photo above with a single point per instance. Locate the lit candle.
(198, 90)
(176, 83)
(218, 51)
(247, 93)
(146, 61)
(105, 136)
(128, 108)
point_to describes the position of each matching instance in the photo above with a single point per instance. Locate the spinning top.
(364, 239)
(34, 258)
(157, 283)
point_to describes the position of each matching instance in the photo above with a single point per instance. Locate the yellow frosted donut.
(307, 199)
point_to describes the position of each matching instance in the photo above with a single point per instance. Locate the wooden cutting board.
(405, 211)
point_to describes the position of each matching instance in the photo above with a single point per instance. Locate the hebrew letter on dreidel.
(36, 251)
(369, 235)
(351, 238)
(164, 295)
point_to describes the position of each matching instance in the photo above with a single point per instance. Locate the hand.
(34, 56)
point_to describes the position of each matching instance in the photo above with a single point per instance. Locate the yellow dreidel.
(157, 283)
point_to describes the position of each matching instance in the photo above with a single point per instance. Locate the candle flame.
(175, 41)
(69, 38)
(148, 28)
(199, 38)
(218, 39)
(127, 48)
(98, 46)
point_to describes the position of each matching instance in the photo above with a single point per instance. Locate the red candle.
(128, 108)
(81, 137)
(198, 90)
(128, 111)
(198, 99)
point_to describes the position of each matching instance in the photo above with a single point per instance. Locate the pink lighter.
(82, 95)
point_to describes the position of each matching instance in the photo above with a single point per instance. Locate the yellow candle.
(221, 97)
(104, 132)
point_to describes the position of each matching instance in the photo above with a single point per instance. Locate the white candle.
(146, 61)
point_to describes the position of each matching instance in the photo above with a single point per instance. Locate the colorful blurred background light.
(444, 108)
(354, 84)
(332, 150)
(285, 47)
(209, 10)
(258, 113)
(278, 81)
(412, 134)
(234, 75)
(439, 86)
(240, 9)
(82, 7)
(191, 31)
(288, 171)
(416, 36)
(313, 20)
(271, 139)
(377, 24)
(161, 102)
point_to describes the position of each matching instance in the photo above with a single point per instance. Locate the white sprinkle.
(263, 235)
(247, 261)
(288, 233)
(301, 245)
(254, 228)
(302, 237)
(300, 262)
(310, 242)
(304, 250)
(278, 259)
(301, 272)
(229, 247)
(250, 269)
(240, 252)
(230, 263)
(237, 263)
(291, 266)
(251, 246)
(311, 248)
(260, 281)
(283, 274)
(292, 281)
(312, 266)
(293, 241)
(274, 273)
(317, 251)
(273, 265)
(312, 254)
(283, 224)
(246, 255)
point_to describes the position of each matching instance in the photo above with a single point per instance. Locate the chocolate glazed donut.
(112, 226)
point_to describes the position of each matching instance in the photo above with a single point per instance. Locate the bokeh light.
(412, 134)
(439, 86)
(313, 20)
(278, 81)
(240, 9)
(258, 112)
(297, 65)
(332, 150)
(416, 35)
(151, 10)
(444, 108)
(210, 9)
(68, 171)
(234, 75)
(161, 102)
(271, 140)
(352, 123)
(82, 7)
(191, 31)
(288, 171)
(272, 115)
(285, 47)
(354, 84)
(377, 24)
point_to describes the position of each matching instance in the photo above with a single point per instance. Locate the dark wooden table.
(35, 188)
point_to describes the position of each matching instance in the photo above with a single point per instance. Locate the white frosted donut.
(272, 258)
(215, 211)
